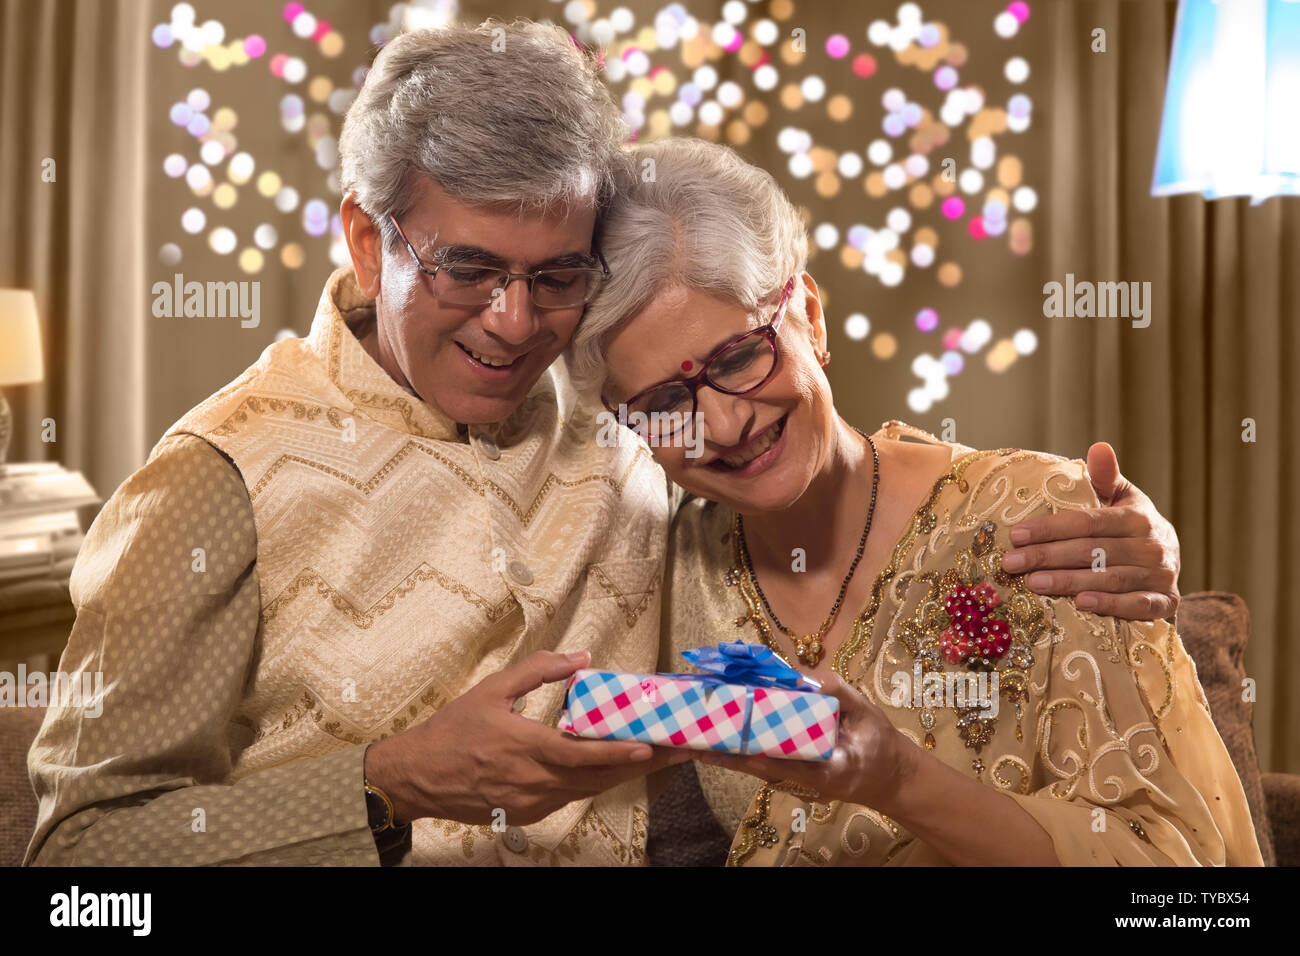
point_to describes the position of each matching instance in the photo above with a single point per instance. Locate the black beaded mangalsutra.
(809, 648)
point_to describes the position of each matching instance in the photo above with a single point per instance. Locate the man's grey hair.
(504, 115)
(694, 214)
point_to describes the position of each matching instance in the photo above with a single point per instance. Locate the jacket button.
(519, 571)
(489, 449)
(516, 840)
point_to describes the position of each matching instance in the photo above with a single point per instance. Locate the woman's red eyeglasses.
(740, 365)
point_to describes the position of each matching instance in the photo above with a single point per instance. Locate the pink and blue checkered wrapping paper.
(678, 711)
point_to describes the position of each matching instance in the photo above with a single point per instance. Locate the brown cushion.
(18, 727)
(1282, 790)
(1215, 626)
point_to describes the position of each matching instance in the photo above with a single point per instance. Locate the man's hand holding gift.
(478, 755)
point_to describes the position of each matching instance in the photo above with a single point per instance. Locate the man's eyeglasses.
(740, 365)
(474, 284)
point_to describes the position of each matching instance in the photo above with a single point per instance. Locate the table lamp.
(20, 353)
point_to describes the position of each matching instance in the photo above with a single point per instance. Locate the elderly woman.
(980, 722)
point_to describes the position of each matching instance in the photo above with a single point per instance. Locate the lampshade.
(1230, 122)
(20, 338)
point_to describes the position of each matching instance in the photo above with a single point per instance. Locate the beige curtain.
(72, 90)
(1221, 346)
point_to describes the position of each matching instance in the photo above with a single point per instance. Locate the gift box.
(748, 701)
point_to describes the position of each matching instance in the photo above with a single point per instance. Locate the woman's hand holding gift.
(870, 756)
(875, 765)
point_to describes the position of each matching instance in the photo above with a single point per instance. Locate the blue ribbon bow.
(753, 665)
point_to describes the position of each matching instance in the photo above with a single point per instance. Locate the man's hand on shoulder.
(1121, 559)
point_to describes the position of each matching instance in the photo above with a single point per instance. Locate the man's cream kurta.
(397, 563)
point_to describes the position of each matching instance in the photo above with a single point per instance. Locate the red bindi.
(687, 366)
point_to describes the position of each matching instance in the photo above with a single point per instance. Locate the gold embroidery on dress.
(367, 487)
(756, 825)
(860, 634)
(754, 830)
(430, 699)
(922, 633)
(308, 706)
(1100, 629)
(1164, 666)
(1002, 489)
(631, 853)
(1097, 702)
(467, 833)
(630, 612)
(259, 405)
(864, 843)
(552, 481)
(544, 604)
(1070, 775)
(364, 619)
(389, 403)
(813, 859)
(1018, 764)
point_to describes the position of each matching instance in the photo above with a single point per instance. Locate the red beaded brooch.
(974, 636)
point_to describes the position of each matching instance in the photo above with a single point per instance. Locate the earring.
(826, 359)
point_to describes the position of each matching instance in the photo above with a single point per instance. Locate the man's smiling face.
(475, 364)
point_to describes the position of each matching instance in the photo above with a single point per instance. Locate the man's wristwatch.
(380, 810)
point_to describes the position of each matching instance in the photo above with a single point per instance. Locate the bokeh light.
(193, 220)
(222, 240)
(916, 170)
(250, 260)
(292, 256)
(224, 196)
(857, 326)
(884, 346)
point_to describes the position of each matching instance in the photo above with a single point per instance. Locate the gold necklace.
(810, 648)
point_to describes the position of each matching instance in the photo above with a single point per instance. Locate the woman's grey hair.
(694, 214)
(505, 115)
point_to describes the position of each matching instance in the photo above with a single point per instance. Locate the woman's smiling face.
(762, 449)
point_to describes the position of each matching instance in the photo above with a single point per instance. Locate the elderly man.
(335, 609)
